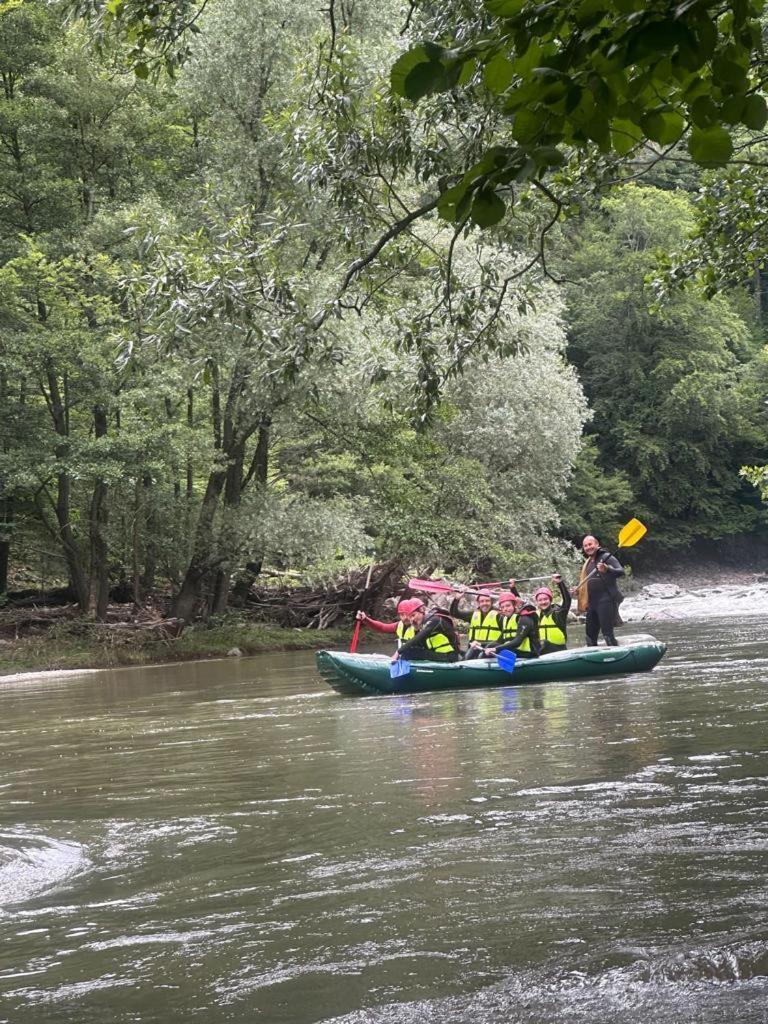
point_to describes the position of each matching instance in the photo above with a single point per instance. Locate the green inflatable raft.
(361, 674)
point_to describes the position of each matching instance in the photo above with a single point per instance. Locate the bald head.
(590, 545)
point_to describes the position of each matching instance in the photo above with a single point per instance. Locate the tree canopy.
(260, 312)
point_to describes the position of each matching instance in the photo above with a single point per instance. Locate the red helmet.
(415, 604)
(404, 606)
(507, 595)
(543, 590)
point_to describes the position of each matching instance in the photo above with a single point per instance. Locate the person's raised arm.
(380, 627)
(455, 612)
(565, 593)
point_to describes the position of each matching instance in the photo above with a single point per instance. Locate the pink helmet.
(507, 595)
(543, 590)
(414, 604)
(404, 606)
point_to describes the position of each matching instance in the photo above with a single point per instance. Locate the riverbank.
(699, 593)
(70, 646)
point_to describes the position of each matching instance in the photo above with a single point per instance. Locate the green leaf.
(531, 59)
(657, 39)
(625, 135)
(425, 79)
(548, 156)
(487, 208)
(664, 127)
(504, 8)
(449, 200)
(495, 159)
(703, 112)
(728, 72)
(498, 74)
(598, 129)
(141, 70)
(732, 110)
(706, 34)
(468, 69)
(404, 67)
(527, 127)
(589, 11)
(755, 112)
(710, 147)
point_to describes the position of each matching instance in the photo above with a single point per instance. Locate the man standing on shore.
(598, 592)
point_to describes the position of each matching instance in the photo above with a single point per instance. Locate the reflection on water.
(231, 842)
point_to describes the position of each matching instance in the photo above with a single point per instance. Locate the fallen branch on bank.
(279, 602)
(329, 604)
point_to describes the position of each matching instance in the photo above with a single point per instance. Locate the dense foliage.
(236, 334)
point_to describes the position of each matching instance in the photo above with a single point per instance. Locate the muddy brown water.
(230, 841)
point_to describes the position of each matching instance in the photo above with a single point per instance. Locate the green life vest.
(404, 632)
(485, 628)
(549, 631)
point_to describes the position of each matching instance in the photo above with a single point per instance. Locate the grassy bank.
(73, 646)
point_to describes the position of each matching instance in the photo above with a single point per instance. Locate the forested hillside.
(235, 334)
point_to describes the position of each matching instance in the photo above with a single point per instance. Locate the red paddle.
(441, 587)
(355, 637)
(356, 631)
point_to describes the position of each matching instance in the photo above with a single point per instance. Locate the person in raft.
(435, 639)
(484, 624)
(598, 592)
(402, 629)
(553, 618)
(520, 633)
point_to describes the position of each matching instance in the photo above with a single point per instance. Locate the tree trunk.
(220, 593)
(5, 557)
(147, 581)
(200, 563)
(257, 471)
(99, 581)
(58, 405)
(6, 503)
(232, 495)
(78, 577)
(135, 548)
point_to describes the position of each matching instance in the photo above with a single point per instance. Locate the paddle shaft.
(521, 579)
(438, 587)
(355, 637)
(596, 570)
(356, 631)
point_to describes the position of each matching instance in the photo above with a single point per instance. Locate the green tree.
(608, 77)
(672, 391)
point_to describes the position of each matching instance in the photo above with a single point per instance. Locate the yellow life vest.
(440, 643)
(550, 631)
(508, 627)
(485, 628)
(509, 631)
(404, 632)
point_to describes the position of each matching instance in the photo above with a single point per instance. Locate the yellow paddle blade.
(632, 533)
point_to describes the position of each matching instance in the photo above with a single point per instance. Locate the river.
(231, 842)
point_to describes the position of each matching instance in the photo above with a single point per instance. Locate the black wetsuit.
(604, 597)
(416, 649)
(527, 629)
